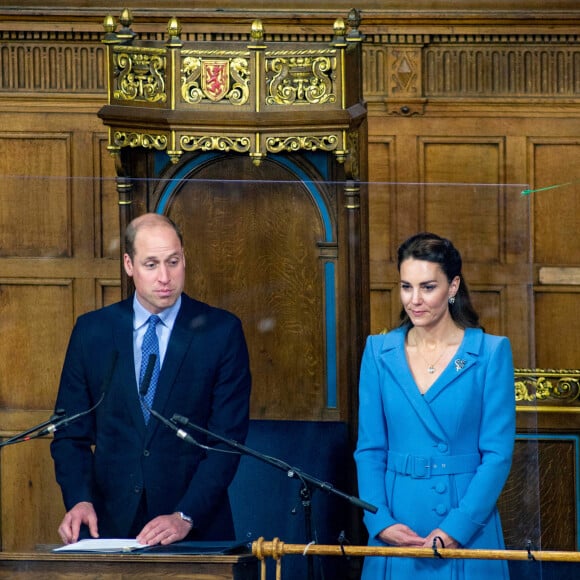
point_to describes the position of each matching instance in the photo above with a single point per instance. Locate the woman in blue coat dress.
(436, 424)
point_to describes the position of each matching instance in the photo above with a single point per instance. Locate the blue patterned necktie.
(150, 346)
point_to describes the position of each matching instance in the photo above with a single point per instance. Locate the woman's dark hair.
(433, 248)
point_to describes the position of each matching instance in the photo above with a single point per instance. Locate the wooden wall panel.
(52, 270)
(108, 292)
(34, 203)
(271, 276)
(106, 215)
(32, 343)
(557, 309)
(542, 485)
(490, 303)
(382, 208)
(478, 210)
(31, 504)
(485, 93)
(556, 162)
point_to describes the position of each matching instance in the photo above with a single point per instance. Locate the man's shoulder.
(192, 308)
(113, 312)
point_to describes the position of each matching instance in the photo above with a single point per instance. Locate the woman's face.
(425, 292)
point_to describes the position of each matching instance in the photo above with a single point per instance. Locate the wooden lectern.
(50, 566)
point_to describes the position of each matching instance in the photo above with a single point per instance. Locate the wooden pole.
(276, 549)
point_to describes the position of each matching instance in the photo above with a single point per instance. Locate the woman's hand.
(448, 541)
(401, 535)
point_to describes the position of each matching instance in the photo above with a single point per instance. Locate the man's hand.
(164, 530)
(401, 535)
(82, 513)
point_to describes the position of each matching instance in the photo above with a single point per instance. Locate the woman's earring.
(451, 300)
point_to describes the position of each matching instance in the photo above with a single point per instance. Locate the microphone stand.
(31, 433)
(59, 419)
(292, 472)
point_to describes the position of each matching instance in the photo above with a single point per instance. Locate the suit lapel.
(129, 392)
(177, 349)
(397, 369)
(464, 358)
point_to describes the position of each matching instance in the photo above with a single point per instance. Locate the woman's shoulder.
(387, 338)
(476, 340)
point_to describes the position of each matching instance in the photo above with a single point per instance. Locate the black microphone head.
(180, 419)
(147, 375)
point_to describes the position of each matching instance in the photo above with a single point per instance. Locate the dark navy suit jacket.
(111, 457)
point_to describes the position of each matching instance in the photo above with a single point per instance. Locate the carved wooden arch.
(268, 193)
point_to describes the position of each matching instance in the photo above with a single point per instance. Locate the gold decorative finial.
(109, 24)
(339, 27)
(174, 31)
(126, 18)
(174, 27)
(257, 31)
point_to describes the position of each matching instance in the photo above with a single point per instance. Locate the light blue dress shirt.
(164, 328)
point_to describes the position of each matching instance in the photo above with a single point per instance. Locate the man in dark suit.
(123, 474)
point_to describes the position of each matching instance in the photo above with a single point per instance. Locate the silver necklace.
(431, 366)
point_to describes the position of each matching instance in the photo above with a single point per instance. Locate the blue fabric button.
(440, 488)
(441, 509)
(442, 447)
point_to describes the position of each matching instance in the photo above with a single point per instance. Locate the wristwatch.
(185, 518)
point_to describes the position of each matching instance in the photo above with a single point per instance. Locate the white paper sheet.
(102, 545)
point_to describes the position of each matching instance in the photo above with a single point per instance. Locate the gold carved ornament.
(549, 388)
(224, 76)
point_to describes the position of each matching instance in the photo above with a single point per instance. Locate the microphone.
(25, 435)
(290, 471)
(145, 384)
(147, 375)
(55, 425)
(179, 432)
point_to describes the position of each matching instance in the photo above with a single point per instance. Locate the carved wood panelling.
(36, 314)
(35, 204)
(31, 502)
(257, 250)
(491, 303)
(106, 215)
(503, 65)
(427, 91)
(542, 485)
(465, 176)
(382, 200)
(556, 308)
(107, 292)
(556, 162)
(46, 66)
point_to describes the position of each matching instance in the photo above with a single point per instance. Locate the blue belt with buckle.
(422, 467)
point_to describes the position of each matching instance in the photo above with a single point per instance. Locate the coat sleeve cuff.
(376, 523)
(460, 527)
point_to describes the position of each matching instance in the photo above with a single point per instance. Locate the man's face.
(158, 267)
